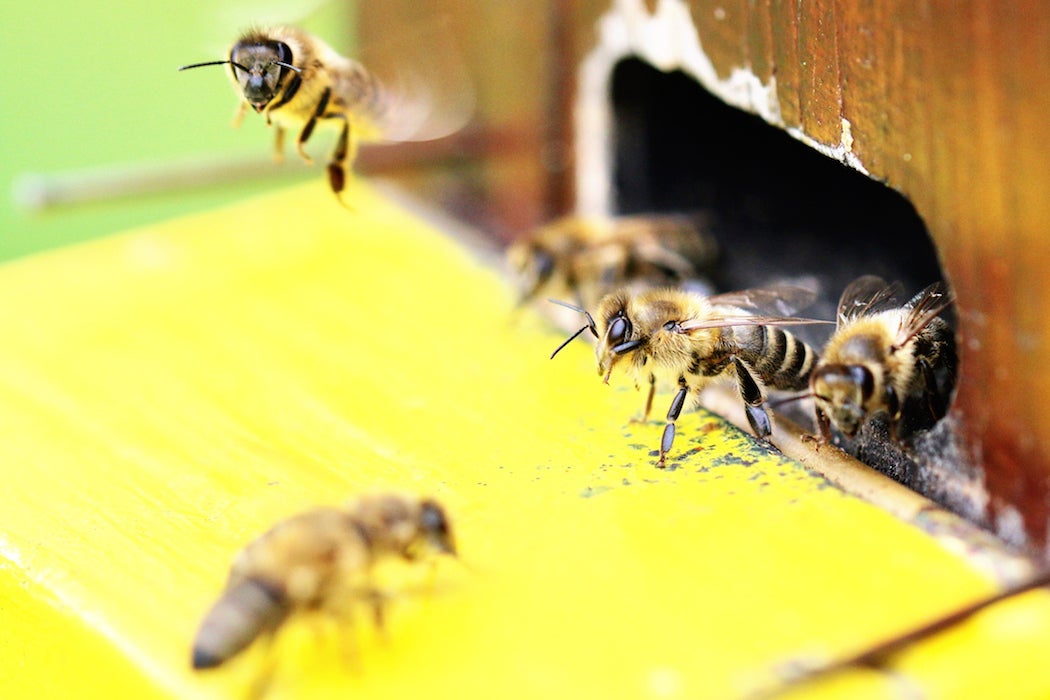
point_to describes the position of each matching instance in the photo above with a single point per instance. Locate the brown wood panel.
(786, 65)
(721, 25)
(759, 21)
(820, 81)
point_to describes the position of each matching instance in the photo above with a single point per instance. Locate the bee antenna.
(571, 338)
(216, 63)
(777, 403)
(282, 64)
(590, 324)
(590, 319)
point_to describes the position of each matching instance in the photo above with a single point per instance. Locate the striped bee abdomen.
(780, 360)
(245, 611)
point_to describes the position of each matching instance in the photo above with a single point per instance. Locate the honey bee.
(318, 560)
(692, 341)
(296, 80)
(885, 358)
(585, 258)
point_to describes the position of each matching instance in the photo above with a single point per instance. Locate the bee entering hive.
(781, 212)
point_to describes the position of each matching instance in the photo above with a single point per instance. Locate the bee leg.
(648, 401)
(337, 165)
(238, 114)
(308, 127)
(753, 400)
(672, 415)
(261, 683)
(936, 400)
(893, 406)
(278, 145)
(824, 425)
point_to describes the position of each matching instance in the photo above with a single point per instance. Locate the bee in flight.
(318, 560)
(691, 341)
(585, 258)
(885, 358)
(297, 81)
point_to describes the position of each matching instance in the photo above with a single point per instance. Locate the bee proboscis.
(320, 560)
(885, 357)
(691, 341)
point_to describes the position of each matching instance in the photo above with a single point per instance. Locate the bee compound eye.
(862, 377)
(619, 329)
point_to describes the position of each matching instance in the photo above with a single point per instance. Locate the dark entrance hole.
(782, 210)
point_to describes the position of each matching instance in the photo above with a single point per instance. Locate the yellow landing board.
(169, 393)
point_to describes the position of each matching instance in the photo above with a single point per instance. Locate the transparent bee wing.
(865, 296)
(427, 91)
(778, 300)
(923, 308)
(727, 321)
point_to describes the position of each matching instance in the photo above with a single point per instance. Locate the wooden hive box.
(943, 102)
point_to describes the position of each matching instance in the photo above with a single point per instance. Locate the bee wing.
(865, 296)
(726, 321)
(780, 300)
(923, 308)
(427, 91)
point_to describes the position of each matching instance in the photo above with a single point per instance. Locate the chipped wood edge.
(668, 40)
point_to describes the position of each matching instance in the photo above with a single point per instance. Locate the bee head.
(533, 264)
(260, 68)
(434, 527)
(616, 341)
(843, 393)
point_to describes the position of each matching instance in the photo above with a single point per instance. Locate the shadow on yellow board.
(172, 392)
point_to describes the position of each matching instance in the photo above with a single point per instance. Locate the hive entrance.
(783, 210)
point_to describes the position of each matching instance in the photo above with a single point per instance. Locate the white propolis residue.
(668, 40)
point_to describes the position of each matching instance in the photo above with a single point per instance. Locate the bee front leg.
(672, 415)
(238, 114)
(893, 406)
(308, 127)
(278, 145)
(936, 400)
(648, 401)
(824, 425)
(753, 400)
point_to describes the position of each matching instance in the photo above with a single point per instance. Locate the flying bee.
(692, 341)
(297, 81)
(585, 258)
(318, 560)
(885, 358)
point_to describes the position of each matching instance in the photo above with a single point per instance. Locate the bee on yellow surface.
(691, 341)
(585, 258)
(296, 81)
(885, 358)
(318, 560)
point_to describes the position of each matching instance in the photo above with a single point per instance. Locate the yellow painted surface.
(170, 393)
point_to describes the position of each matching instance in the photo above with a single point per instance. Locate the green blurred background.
(93, 90)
